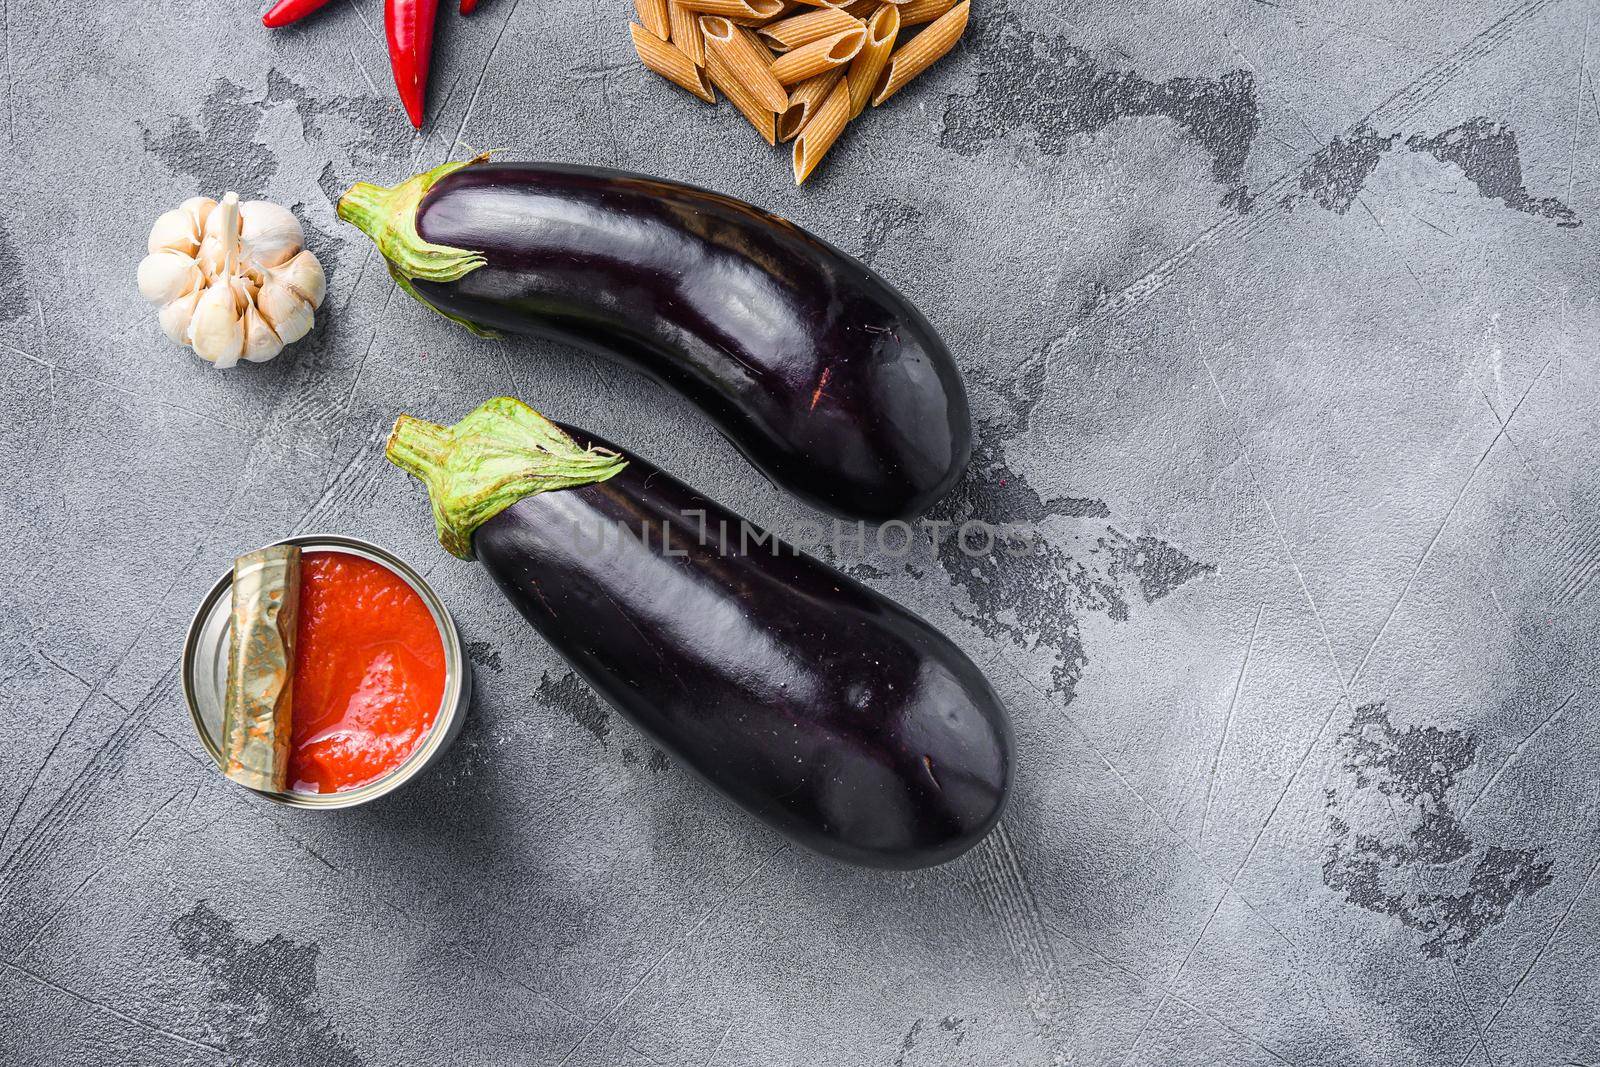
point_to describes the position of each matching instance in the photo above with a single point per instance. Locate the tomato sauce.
(369, 673)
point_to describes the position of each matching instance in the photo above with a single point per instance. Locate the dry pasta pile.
(797, 69)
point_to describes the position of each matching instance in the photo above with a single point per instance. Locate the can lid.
(205, 674)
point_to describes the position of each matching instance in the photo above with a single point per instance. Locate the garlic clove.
(166, 275)
(176, 315)
(217, 331)
(303, 274)
(199, 209)
(260, 342)
(175, 231)
(272, 235)
(285, 311)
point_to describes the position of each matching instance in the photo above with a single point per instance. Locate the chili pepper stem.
(501, 452)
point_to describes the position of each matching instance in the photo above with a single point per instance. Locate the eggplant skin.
(820, 372)
(833, 714)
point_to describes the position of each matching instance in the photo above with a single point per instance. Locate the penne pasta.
(748, 9)
(685, 35)
(746, 60)
(821, 131)
(653, 13)
(757, 44)
(754, 22)
(670, 63)
(923, 50)
(818, 57)
(867, 67)
(804, 101)
(918, 12)
(760, 116)
(798, 70)
(814, 24)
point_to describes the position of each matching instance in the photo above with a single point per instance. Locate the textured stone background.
(1280, 318)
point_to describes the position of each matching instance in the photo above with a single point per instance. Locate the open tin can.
(205, 675)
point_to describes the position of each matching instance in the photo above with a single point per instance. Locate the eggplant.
(821, 707)
(827, 379)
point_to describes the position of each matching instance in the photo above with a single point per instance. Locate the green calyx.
(503, 451)
(388, 215)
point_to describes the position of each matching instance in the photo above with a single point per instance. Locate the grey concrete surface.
(1280, 320)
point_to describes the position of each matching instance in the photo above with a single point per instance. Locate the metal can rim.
(446, 724)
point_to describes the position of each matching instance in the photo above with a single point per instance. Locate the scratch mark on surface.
(34, 846)
(1537, 956)
(109, 1010)
(1142, 983)
(378, 40)
(1516, 753)
(1472, 1016)
(1236, 227)
(717, 1048)
(477, 88)
(1227, 722)
(1229, 884)
(72, 720)
(681, 942)
(1443, 523)
(55, 912)
(1577, 103)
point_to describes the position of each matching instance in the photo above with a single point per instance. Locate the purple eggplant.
(825, 377)
(831, 713)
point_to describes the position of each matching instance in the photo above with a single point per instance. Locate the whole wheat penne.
(685, 35)
(653, 13)
(821, 131)
(861, 9)
(922, 50)
(824, 3)
(813, 24)
(867, 67)
(804, 101)
(754, 22)
(756, 43)
(812, 59)
(670, 63)
(917, 12)
(760, 116)
(757, 21)
(746, 60)
(749, 9)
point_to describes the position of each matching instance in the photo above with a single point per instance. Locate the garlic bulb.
(234, 280)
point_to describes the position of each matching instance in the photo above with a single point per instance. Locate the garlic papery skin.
(285, 310)
(233, 280)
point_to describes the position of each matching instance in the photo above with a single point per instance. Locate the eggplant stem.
(500, 453)
(388, 215)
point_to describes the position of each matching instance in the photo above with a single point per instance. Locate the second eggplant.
(830, 712)
(823, 375)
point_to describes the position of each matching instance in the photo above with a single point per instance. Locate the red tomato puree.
(368, 673)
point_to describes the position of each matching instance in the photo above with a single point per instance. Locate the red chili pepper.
(409, 24)
(286, 11)
(468, 6)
